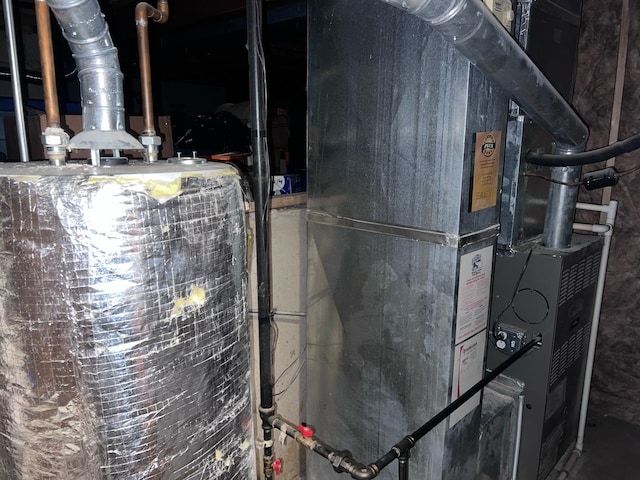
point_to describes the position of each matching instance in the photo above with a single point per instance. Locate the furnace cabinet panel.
(393, 117)
(551, 292)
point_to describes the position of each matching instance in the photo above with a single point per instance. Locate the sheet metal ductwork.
(396, 115)
(123, 324)
(103, 116)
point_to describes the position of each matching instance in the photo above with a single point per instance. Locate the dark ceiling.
(204, 42)
(186, 13)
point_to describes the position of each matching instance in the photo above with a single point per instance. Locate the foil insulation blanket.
(124, 347)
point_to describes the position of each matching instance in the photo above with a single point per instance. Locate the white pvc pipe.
(611, 220)
(593, 207)
(588, 227)
(611, 210)
(516, 455)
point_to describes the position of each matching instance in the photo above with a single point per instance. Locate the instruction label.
(468, 369)
(484, 193)
(474, 291)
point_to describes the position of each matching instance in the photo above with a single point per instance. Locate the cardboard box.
(35, 125)
(289, 183)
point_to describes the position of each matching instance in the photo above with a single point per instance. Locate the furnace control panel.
(509, 339)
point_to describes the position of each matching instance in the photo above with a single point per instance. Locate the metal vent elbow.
(101, 80)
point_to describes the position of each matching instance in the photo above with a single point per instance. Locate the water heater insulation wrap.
(123, 339)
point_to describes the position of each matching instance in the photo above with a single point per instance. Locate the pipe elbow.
(84, 27)
(145, 11)
(344, 462)
(163, 8)
(142, 12)
(364, 473)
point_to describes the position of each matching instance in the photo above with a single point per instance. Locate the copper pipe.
(43, 21)
(159, 15)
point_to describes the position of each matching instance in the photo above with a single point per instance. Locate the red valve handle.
(305, 430)
(277, 466)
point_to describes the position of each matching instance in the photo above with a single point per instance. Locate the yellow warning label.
(484, 193)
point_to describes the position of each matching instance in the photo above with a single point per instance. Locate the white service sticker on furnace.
(468, 369)
(474, 290)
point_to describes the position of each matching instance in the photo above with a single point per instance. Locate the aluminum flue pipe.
(84, 27)
(563, 196)
(471, 27)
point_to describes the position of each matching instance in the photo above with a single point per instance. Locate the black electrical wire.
(552, 180)
(33, 76)
(620, 174)
(302, 360)
(629, 172)
(496, 322)
(586, 158)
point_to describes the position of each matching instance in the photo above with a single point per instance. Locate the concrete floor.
(611, 451)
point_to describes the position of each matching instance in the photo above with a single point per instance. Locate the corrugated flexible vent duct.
(123, 337)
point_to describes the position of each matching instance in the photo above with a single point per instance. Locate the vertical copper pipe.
(159, 15)
(43, 21)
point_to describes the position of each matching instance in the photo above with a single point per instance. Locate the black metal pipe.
(261, 183)
(343, 462)
(453, 406)
(403, 465)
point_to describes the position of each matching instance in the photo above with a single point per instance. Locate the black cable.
(552, 180)
(614, 174)
(586, 158)
(496, 322)
(629, 172)
(32, 76)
